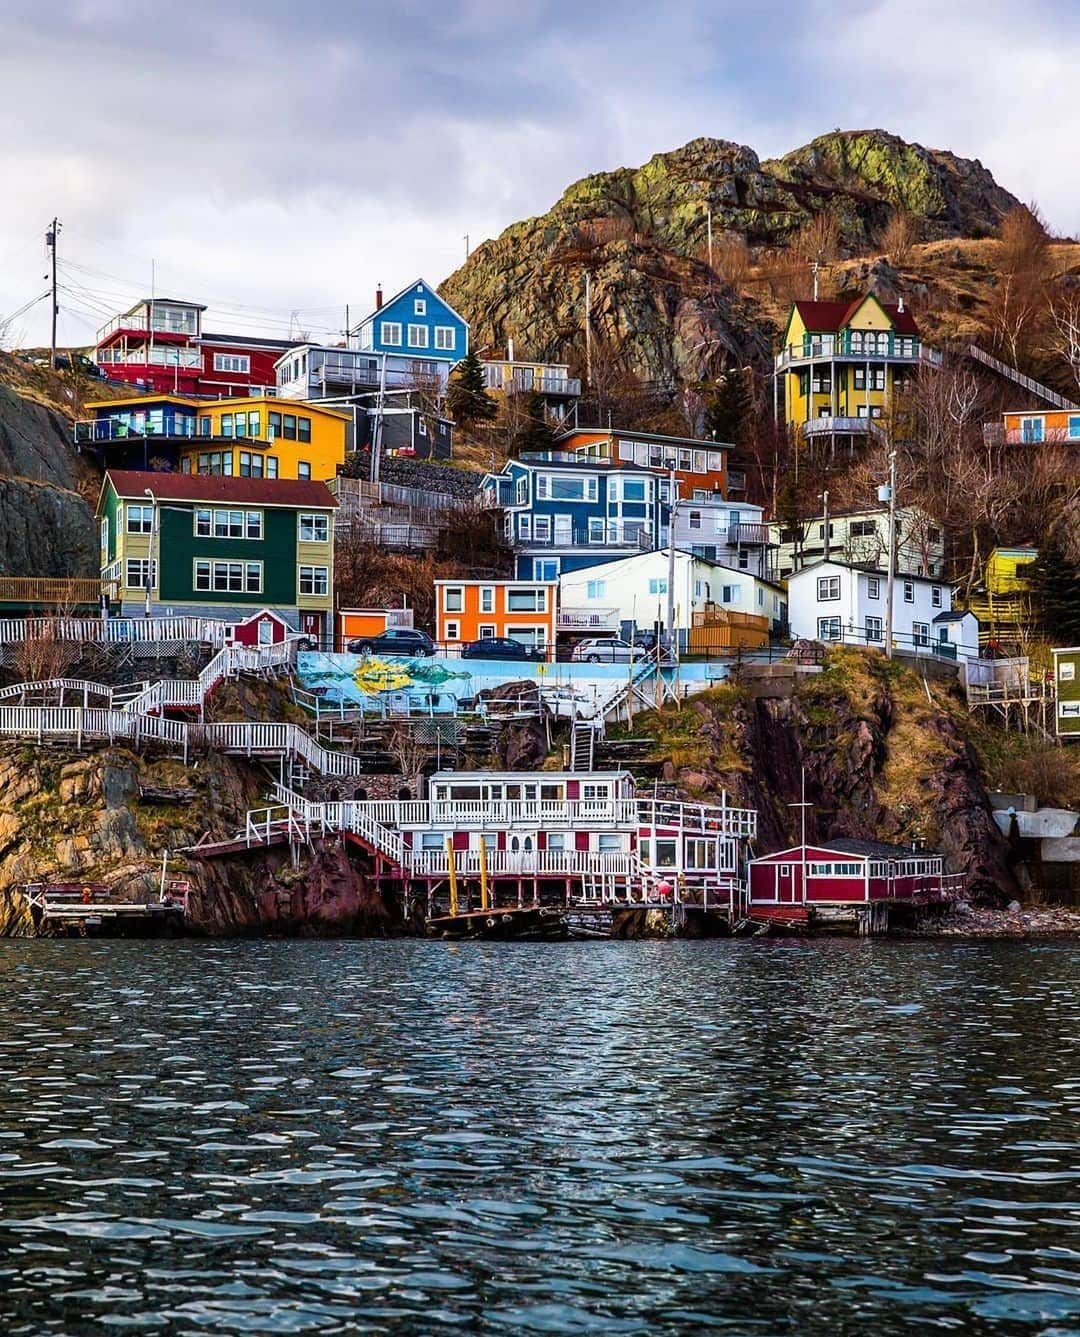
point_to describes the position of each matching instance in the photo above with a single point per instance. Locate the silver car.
(607, 651)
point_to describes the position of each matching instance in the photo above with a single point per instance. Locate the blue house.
(415, 323)
(562, 513)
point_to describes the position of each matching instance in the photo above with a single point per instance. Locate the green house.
(189, 545)
(1067, 679)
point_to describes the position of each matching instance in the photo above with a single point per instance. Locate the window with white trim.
(596, 589)
(139, 573)
(314, 580)
(935, 596)
(229, 577)
(828, 628)
(390, 332)
(238, 362)
(526, 600)
(828, 588)
(453, 599)
(418, 336)
(445, 338)
(419, 306)
(920, 633)
(909, 591)
(873, 588)
(314, 528)
(140, 519)
(874, 630)
(453, 631)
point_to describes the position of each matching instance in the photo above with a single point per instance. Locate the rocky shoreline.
(1016, 921)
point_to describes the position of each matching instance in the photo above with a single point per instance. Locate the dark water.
(762, 1138)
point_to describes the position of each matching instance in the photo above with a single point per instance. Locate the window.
(303, 429)
(204, 426)
(920, 633)
(526, 601)
(597, 529)
(873, 588)
(695, 519)
(633, 489)
(229, 577)
(860, 529)
(419, 306)
(445, 339)
(835, 870)
(216, 462)
(251, 465)
(730, 594)
(303, 470)
(140, 519)
(596, 589)
(658, 586)
(545, 568)
(1074, 429)
(487, 629)
(1031, 429)
(828, 629)
(609, 842)
(228, 524)
(418, 336)
(935, 596)
(874, 629)
(909, 591)
(226, 424)
(542, 528)
(232, 362)
(314, 528)
(487, 599)
(314, 580)
(828, 588)
(139, 573)
(877, 378)
(453, 631)
(421, 426)
(454, 599)
(390, 332)
(524, 526)
(271, 466)
(288, 426)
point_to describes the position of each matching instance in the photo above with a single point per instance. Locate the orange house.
(700, 466)
(525, 611)
(1029, 427)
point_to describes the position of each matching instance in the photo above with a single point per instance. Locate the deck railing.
(56, 591)
(112, 631)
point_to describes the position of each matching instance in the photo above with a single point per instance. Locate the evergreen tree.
(467, 397)
(1055, 592)
(534, 430)
(726, 408)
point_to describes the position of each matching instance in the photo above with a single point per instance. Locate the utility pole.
(891, 581)
(466, 246)
(825, 499)
(377, 431)
(673, 488)
(814, 267)
(708, 218)
(50, 242)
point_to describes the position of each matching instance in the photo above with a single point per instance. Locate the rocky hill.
(641, 234)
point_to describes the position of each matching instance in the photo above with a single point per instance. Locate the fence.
(112, 631)
(721, 631)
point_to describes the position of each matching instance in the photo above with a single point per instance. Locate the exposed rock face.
(641, 233)
(46, 528)
(881, 763)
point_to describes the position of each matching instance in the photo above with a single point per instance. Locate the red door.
(785, 883)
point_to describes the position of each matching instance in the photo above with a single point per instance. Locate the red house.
(160, 345)
(842, 874)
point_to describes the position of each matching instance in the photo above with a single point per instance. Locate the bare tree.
(1024, 261)
(898, 236)
(1063, 336)
(45, 653)
(409, 752)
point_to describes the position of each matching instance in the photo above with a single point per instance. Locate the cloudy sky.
(276, 160)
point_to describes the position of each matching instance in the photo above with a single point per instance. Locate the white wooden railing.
(112, 631)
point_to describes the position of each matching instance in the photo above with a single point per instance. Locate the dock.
(81, 909)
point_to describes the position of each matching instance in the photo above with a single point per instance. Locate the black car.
(394, 641)
(500, 647)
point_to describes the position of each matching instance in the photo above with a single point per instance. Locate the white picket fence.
(112, 631)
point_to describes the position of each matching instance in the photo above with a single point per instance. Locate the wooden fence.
(721, 631)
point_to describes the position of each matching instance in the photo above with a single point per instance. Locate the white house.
(632, 593)
(731, 533)
(835, 601)
(862, 538)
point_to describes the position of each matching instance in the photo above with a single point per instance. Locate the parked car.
(608, 650)
(394, 641)
(501, 647)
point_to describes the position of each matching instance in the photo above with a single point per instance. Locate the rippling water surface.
(599, 1137)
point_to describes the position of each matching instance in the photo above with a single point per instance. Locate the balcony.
(587, 619)
(887, 349)
(614, 536)
(342, 374)
(748, 535)
(135, 322)
(185, 359)
(836, 426)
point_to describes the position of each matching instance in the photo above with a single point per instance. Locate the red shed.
(262, 628)
(845, 871)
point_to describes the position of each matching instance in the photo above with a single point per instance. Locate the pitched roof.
(875, 849)
(866, 569)
(389, 301)
(633, 434)
(292, 492)
(828, 317)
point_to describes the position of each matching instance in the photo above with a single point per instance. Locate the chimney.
(509, 350)
(378, 298)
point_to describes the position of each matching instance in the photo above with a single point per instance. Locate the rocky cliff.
(641, 235)
(46, 526)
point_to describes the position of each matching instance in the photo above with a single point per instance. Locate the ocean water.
(740, 1137)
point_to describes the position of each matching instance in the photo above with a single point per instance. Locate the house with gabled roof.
(414, 323)
(845, 366)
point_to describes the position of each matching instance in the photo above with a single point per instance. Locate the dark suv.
(501, 647)
(394, 641)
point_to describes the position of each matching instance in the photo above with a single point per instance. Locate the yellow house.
(256, 437)
(844, 365)
(1003, 603)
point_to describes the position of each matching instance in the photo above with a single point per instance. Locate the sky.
(278, 160)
